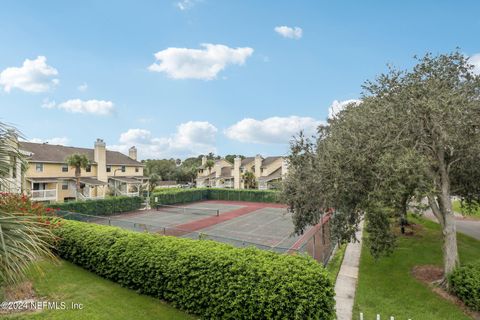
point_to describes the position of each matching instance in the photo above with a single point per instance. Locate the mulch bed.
(23, 294)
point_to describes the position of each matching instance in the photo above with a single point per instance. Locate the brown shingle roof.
(44, 152)
(247, 160)
(269, 160)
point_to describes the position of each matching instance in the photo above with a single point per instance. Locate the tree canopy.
(414, 136)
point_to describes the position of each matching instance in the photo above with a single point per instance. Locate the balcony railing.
(44, 195)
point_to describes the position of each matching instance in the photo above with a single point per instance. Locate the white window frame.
(39, 167)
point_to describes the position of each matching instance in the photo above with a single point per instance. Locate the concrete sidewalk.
(346, 283)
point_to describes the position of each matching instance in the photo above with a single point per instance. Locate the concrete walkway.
(346, 283)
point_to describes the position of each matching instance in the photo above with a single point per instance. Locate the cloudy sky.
(180, 78)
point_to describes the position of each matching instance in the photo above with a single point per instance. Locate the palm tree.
(23, 239)
(209, 165)
(249, 180)
(79, 162)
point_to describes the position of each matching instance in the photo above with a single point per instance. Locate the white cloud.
(205, 64)
(271, 130)
(83, 87)
(186, 4)
(191, 138)
(338, 106)
(97, 107)
(32, 76)
(475, 61)
(288, 32)
(141, 136)
(63, 141)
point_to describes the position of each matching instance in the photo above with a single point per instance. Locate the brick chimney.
(132, 153)
(237, 175)
(100, 157)
(258, 166)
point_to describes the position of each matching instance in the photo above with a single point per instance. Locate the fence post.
(361, 315)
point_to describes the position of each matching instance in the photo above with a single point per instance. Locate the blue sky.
(224, 79)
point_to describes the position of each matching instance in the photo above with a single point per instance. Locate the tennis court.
(264, 225)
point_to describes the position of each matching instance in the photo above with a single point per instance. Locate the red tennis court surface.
(264, 225)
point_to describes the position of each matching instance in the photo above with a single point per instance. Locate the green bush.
(465, 284)
(172, 196)
(244, 195)
(101, 207)
(207, 278)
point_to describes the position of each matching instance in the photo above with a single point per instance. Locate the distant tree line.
(177, 170)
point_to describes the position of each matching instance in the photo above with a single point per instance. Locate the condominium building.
(267, 172)
(49, 178)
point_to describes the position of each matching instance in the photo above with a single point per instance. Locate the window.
(88, 168)
(65, 168)
(137, 169)
(124, 169)
(65, 186)
(109, 168)
(39, 167)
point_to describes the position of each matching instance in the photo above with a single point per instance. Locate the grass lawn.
(335, 262)
(102, 299)
(387, 287)
(456, 206)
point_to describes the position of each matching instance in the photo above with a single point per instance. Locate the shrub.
(244, 195)
(172, 196)
(465, 284)
(203, 277)
(101, 207)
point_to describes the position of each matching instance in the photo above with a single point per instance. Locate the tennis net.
(187, 210)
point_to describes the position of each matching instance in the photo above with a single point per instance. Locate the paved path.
(346, 283)
(469, 227)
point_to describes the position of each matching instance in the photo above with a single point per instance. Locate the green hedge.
(207, 278)
(172, 196)
(101, 207)
(244, 195)
(465, 284)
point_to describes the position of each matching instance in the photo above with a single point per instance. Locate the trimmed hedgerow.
(465, 284)
(207, 278)
(244, 195)
(101, 207)
(172, 196)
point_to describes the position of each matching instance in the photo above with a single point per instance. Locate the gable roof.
(269, 160)
(247, 160)
(44, 152)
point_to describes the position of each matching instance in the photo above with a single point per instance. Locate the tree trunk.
(441, 205)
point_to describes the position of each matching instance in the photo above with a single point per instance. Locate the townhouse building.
(268, 172)
(49, 178)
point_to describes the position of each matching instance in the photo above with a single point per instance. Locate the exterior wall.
(54, 170)
(129, 171)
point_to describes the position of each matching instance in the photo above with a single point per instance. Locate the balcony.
(44, 195)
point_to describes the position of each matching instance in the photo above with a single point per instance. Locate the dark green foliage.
(172, 196)
(101, 207)
(244, 195)
(211, 279)
(465, 284)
